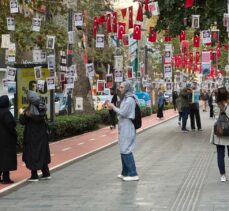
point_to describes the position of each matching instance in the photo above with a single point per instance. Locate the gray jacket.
(127, 132)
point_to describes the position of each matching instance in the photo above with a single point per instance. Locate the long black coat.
(8, 140)
(36, 152)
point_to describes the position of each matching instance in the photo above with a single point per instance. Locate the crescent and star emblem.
(137, 29)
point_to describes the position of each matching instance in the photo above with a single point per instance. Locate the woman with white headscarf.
(127, 132)
(36, 153)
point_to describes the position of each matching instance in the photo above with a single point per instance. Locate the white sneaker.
(134, 178)
(120, 176)
(223, 178)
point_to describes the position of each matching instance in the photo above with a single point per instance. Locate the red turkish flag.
(140, 13)
(184, 64)
(114, 22)
(196, 41)
(121, 30)
(195, 67)
(197, 56)
(200, 68)
(189, 3)
(178, 59)
(147, 5)
(108, 23)
(167, 38)
(226, 46)
(102, 20)
(210, 50)
(123, 11)
(190, 57)
(182, 35)
(218, 53)
(137, 32)
(152, 35)
(185, 46)
(95, 26)
(131, 17)
(189, 66)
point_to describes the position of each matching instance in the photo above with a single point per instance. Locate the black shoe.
(9, 181)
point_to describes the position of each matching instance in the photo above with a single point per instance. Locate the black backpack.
(221, 126)
(137, 121)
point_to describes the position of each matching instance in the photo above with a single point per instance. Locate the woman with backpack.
(127, 131)
(36, 153)
(222, 100)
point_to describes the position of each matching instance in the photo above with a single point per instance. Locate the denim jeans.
(128, 165)
(185, 113)
(220, 157)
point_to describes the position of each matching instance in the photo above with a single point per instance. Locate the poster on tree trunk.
(50, 83)
(100, 85)
(14, 6)
(79, 104)
(11, 73)
(99, 40)
(36, 24)
(109, 80)
(5, 41)
(78, 18)
(195, 21)
(129, 72)
(206, 36)
(10, 24)
(167, 70)
(90, 70)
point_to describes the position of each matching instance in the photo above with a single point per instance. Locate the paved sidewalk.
(71, 149)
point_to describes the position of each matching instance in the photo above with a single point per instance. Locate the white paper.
(99, 40)
(79, 104)
(38, 72)
(10, 24)
(36, 24)
(5, 41)
(90, 70)
(78, 17)
(14, 6)
(50, 42)
(50, 83)
(11, 73)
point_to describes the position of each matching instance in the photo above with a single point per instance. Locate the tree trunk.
(82, 89)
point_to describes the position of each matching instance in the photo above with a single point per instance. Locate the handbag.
(221, 127)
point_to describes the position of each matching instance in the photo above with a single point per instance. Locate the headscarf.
(128, 89)
(4, 101)
(34, 101)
